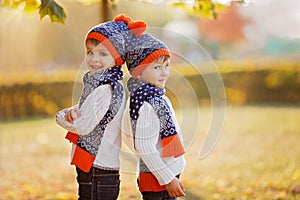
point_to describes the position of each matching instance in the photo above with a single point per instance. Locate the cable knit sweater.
(147, 143)
(92, 111)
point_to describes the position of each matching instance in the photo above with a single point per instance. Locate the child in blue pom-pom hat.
(149, 125)
(94, 124)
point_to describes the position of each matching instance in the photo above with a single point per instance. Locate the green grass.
(257, 157)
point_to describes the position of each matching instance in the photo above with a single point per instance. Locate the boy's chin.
(159, 86)
(95, 71)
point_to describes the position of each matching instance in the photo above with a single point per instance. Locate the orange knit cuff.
(171, 146)
(83, 159)
(149, 183)
(73, 137)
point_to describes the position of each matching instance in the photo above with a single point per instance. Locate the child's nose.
(96, 57)
(164, 72)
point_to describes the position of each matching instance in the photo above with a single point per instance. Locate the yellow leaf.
(53, 10)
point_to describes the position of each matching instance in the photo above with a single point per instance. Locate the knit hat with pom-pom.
(142, 49)
(112, 35)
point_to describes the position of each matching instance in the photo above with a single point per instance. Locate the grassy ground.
(257, 157)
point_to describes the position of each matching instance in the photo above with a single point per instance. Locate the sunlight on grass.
(257, 157)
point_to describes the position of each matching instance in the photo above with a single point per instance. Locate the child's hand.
(175, 188)
(60, 117)
(72, 114)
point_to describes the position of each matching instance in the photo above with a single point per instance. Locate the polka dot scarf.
(143, 91)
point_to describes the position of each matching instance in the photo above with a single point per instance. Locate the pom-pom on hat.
(143, 50)
(112, 35)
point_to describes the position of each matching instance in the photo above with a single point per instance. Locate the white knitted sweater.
(148, 143)
(92, 111)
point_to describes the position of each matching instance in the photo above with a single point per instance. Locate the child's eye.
(156, 67)
(89, 53)
(102, 54)
(167, 66)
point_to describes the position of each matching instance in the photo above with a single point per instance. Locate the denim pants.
(163, 195)
(98, 184)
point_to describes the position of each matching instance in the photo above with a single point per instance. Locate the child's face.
(98, 57)
(156, 73)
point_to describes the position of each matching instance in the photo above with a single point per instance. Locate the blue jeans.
(163, 195)
(98, 184)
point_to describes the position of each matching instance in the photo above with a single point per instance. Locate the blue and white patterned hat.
(143, 50)
(112, 36)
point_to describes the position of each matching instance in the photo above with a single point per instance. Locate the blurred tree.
(225, 33)
(45, 7)
(203, 8)
(227, 28)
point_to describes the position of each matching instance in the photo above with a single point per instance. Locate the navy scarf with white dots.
(144, 91)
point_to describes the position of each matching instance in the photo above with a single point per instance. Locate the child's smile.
(98, 57)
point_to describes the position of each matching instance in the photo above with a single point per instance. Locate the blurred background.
(255, 47)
